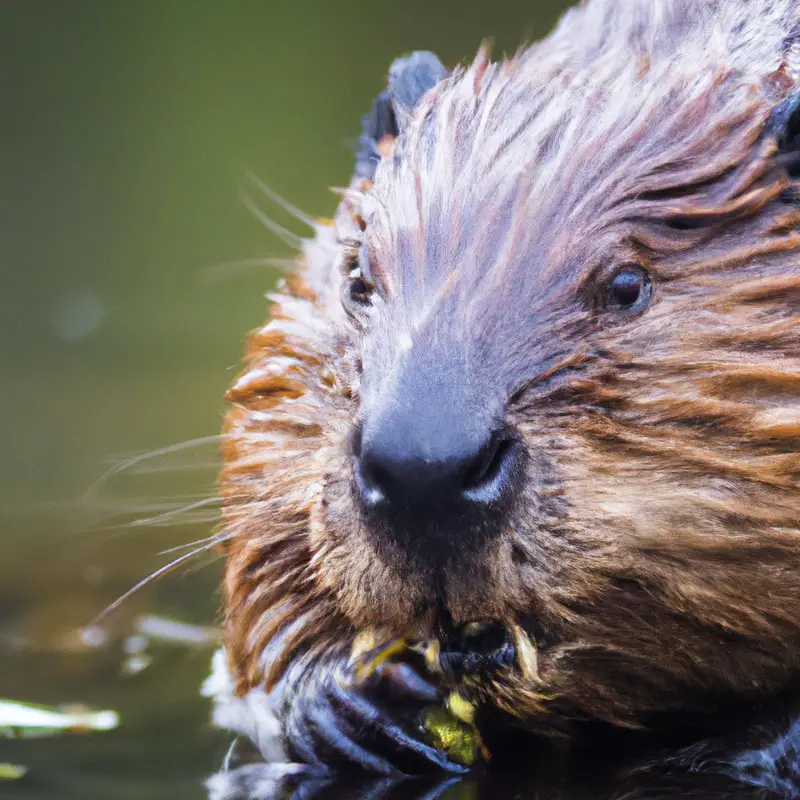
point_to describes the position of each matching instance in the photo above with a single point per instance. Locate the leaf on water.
(12, 772)
(29, 719)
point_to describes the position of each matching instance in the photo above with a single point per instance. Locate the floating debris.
(12, 772)
(136, 644)
(93, 637)
(23, 720)
(176, 632)
(137, 663)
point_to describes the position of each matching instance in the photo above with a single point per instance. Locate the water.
(126, 127)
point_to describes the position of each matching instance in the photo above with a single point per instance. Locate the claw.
(339, 736)
(386, 734)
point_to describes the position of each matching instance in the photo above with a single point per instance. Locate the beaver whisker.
(214, 539)
(128, 463)
(159, 573)
(172, 513)
(114, 510)
(279, 200)
(161, 469)
(226, 269)
(284, 234)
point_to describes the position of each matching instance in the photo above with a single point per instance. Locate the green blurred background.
(126, 129)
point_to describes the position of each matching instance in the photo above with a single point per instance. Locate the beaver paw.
(335, 718)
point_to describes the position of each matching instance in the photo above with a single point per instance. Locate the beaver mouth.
(476, 649)
(477, 652)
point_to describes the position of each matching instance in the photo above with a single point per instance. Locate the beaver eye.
(357, 287)
(629, 289)
(355, 293)
(357, 290)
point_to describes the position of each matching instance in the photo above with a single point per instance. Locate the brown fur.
(653, 557)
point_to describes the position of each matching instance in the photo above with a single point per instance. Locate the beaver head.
(544, 369)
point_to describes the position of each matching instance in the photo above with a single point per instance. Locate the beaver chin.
(434, 593)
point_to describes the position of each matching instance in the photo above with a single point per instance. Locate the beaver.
(520, 438)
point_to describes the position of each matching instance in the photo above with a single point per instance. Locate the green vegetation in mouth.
(457, 738)
(450, 727)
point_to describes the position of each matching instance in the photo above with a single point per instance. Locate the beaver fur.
(651, 560)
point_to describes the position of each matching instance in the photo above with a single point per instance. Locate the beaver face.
(553, 382)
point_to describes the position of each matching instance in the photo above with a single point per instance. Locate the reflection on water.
(160, 750)
(124, 129)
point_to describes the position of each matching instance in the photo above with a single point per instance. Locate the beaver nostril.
(488, 476)
(371, 481)
(368, 477)
(392, 471)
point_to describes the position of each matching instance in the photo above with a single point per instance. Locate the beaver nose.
(410, 474)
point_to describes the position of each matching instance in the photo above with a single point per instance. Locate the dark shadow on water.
(248, 784)
(165, 749)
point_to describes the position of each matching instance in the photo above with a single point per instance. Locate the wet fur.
(653, 553)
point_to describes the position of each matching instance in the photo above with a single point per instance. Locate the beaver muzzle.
(435, 466)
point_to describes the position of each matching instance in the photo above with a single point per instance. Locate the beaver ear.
(409, 78)
(377, 127)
